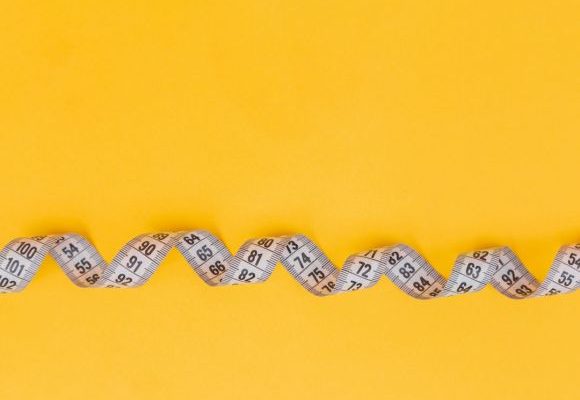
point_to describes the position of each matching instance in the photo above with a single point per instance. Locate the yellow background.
(446, 125)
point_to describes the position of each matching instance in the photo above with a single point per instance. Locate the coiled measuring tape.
(256, 259)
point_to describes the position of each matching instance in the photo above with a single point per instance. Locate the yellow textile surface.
(448, 126)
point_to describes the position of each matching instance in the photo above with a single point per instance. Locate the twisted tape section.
(255, 260)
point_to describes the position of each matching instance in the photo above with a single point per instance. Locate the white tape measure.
(255, 261)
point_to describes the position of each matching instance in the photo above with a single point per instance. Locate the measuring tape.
(256, 259)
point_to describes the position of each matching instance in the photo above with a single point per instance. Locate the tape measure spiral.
(254, 262)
